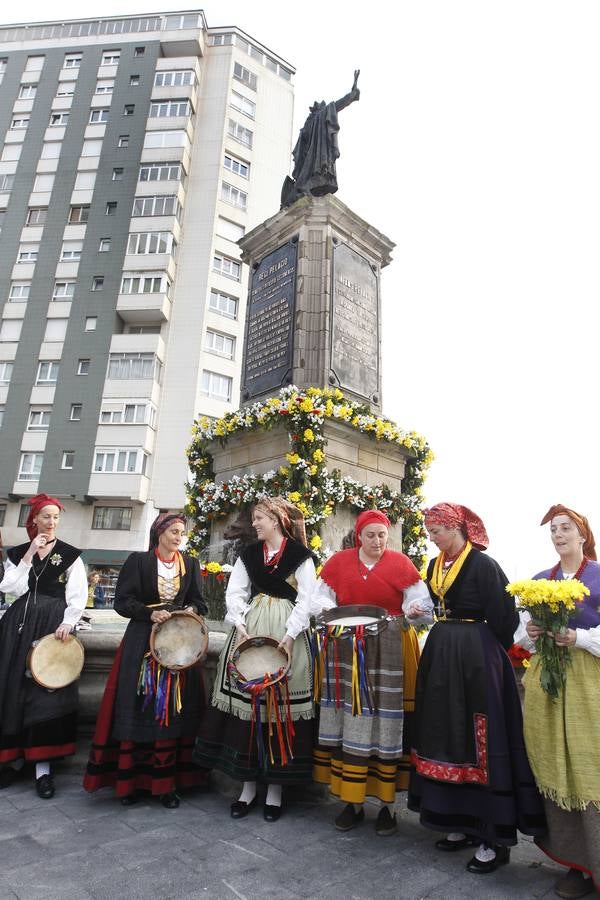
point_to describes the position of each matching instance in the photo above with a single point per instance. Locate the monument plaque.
(269, 322)
(355, 323)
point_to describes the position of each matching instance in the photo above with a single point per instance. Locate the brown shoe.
(348, 818)
(573, 885)
(386, 824)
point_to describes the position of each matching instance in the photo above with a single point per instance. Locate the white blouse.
(16, 582)
(237, 596)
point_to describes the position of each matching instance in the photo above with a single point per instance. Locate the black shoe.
(44, 786)
(452, 846)
(170, 801)
(240, 808)
(271, 813)
(8, 776)
(483, 868)
(348, 818)
(130, 799)
(386, 824)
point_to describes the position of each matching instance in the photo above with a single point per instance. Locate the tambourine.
(258, 660)
(344, 621)
(55, 664)
(180, 642)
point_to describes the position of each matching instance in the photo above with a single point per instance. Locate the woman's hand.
(159, 615)
(242, 634)
(415, 611)
(63, 631)
(534, 631)
(566, 639)
(286, 644)
(38, 543)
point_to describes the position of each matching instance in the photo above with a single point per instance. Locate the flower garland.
(306, 480)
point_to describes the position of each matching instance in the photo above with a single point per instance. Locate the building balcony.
(141, 262)
(147, 309)
(119, 486)
(138, 343)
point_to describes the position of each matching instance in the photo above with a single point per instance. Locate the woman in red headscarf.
(563, 735)
(470, 775)
(133, 750)
(366, 752)
(48, 578)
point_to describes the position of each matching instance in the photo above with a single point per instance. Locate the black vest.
(51, 569)
(271, 580)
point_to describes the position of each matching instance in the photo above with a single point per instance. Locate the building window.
(104, 245)
(10, 330)
(34, 63)
(51, 150)
(43, 183)
(105, 87)
(117, 174)
(19, 291)
(148, 242)
(244, 75)
(111, 208)
(3, 64)
(72, 60)
(6, 183)
(220, 344)
(47, 373)
(111, 518)
(243, 105)
(144, 283)
(134, 80)
(71, 251)
(28, 253)
(99, 116)
(142, 329)
(236, 166)
(240, 133)
(139, 51)
(30, 466)
(56, 330)
(167, 171)
(119, 459)
(162, 205)
(78, 215)
(58, 120)
(233, 195)
(5, 372)
(11, 152)
(232, 231)
(19, 122)
(91, 323)
(228, 267)
(129, 109)
(63, 290)
(2, 505)
(75, 414)
(128, 414)
(175, 79)
(123, 140)
(24, 511)
(36, 215)
(223, 304)
(83, 367)
(68, 459)
(157, 139)
(91, 148)
(170, 109)
(66, 89)
(133, 366)
(39, 420)
(217, 387)
(27, 91)
(111, 58)
(85, 181)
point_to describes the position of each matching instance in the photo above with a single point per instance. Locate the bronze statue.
(316, 150)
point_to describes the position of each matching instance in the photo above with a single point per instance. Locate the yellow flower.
(318, 455)
(213, 567)
(314, 470)
(294, 496)
(292, 458)
(309, 435)
(306, 405)
(283, 471)
(315, 542)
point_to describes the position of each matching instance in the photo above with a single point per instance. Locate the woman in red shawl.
(471, 776)
(47, 577)
(368, 754)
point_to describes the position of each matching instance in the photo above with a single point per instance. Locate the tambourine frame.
(31, 673)
(260, 641)
(190, 614)
(326, 619)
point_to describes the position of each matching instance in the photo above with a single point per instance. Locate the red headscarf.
(37, 503)
(160, 524)
(366, 518)
(583, 526)
(452, 515)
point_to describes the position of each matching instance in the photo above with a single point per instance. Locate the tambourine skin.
(55, 664)
(340, 617)
(258, 656)
(180, 642)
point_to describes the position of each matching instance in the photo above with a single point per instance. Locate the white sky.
(476, 148)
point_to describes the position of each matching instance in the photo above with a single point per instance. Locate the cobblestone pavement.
(78, 846)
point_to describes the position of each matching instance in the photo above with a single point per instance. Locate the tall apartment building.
(135, 153)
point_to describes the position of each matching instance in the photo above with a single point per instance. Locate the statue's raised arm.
(317, 149)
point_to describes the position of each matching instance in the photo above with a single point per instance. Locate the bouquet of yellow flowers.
(550, 604)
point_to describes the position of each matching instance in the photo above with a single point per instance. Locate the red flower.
(517, 654)
(220, 576)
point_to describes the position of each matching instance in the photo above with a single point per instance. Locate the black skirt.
(35, 723)
(470, 771)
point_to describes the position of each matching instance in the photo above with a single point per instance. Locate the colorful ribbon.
(278, 712)
(162, 686)
(361, 691)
